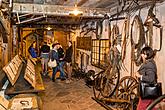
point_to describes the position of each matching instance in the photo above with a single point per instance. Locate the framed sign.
(31, 66)
(30, 76)
(12, 69)
(84, 43)
(15, 63)
(9, 72)
(18, 59)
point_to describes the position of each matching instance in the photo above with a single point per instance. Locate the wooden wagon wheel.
(109, 81)
(127, 90)
(96, 86)
(157, 101)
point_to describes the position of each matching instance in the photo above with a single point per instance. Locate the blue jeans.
(58, 67)
(62, 73)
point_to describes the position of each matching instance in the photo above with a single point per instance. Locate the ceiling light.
(76, 12)
(48, 28)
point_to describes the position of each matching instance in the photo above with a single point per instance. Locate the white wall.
(160, 57)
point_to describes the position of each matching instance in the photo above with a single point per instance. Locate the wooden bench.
(22, 85)
(21, 90)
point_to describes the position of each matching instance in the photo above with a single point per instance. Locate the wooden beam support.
(82, 2)
(57, 10)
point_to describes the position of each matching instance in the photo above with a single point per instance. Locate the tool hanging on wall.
(151, 22)
(137, 41)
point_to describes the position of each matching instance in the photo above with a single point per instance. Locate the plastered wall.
(160, 56)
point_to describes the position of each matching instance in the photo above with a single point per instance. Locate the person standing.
(61, 56)
(68, 60)
(32, 50)
(54, 56)
(45, 49)
(147, 73)
(57, 54)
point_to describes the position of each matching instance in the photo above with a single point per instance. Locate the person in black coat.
(61, 56)
(45, 49)
(68, 60)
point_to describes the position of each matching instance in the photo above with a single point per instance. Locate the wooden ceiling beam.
(57, 10)
(106, 3)
(82, 2)
(102, 3)
(60, 2)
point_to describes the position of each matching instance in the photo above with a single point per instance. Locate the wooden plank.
(115, 100)
(39, 82)
(103, 104)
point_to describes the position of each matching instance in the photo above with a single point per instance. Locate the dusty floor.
(74, 96)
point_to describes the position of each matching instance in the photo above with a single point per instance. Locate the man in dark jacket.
(61, 55)
(68, 59)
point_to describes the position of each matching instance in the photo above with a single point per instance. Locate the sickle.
(114, 34)
(125, 32)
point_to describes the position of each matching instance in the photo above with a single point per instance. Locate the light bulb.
(48, 28)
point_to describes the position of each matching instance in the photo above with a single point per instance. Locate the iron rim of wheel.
(110, 83)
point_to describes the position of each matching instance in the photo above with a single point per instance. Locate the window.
(100, 49)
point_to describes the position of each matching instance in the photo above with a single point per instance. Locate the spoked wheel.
(127, 90)
(109, 81)
(96, 86)
(160, 100)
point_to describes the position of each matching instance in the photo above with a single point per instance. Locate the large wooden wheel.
(127, 91)
(109, 81)
(96, 86)
(160, 100)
